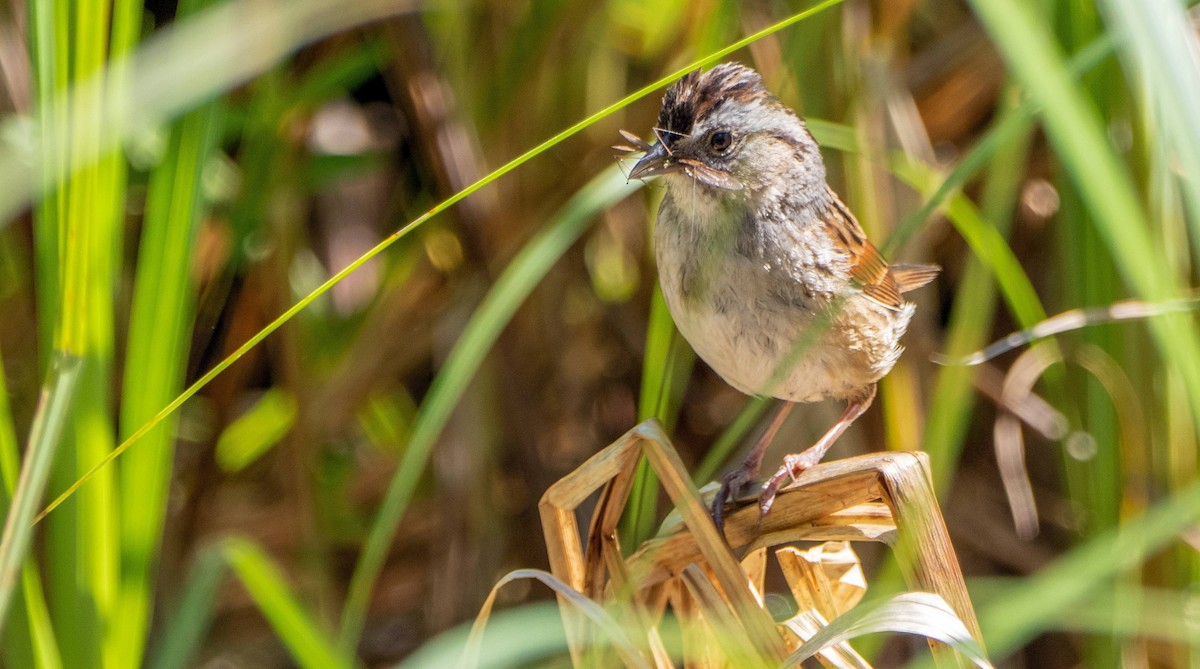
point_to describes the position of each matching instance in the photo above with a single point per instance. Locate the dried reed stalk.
(882, 497)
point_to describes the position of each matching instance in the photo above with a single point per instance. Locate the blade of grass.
(509, 291)
(665, 370)
(28, 637)
(1157, 613)
(162, 312)
(44, 438)
(920, 613)
(267, 588)
(1006, 130)
(185, 626)
(403, 231)
(974, 308)
(1160, 48)
(83, 579)
(302, 636)
(517, 637)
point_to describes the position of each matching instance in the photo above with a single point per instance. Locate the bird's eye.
(720, 140)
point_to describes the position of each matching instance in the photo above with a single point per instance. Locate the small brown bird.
(765, 271)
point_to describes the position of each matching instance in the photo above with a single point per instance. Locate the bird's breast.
(753, 303)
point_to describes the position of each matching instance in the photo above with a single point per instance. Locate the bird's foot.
(733, 484)
(792, 466)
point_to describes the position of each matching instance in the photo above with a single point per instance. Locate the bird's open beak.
(656, 161)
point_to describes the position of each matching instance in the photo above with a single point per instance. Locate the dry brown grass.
(715, 586)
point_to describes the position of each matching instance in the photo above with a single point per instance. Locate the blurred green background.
(340, 485)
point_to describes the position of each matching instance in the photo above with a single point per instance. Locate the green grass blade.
(185, 627)
(17, 639)
(162, 312)
(28, 637)
(187, 623)
(510, 290)
(518, 637)
(44, 438)
(1003, 133)
(82, 580)
(974, 310)
(303, 638)
(255, 432)
(665, 371)
(1160, 49)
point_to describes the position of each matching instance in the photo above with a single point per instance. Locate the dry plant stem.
(885, 497)
(565, 548)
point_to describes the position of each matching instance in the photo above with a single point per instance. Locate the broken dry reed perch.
(881, 497)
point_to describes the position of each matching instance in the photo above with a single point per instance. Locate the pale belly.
(762, 347)
(748, 306)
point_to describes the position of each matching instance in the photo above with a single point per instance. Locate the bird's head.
(724, 130)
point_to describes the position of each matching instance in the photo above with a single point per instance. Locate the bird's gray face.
(723, 130)
(710, 157)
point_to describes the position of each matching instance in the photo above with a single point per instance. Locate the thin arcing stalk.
(44, 438)
(409, 227)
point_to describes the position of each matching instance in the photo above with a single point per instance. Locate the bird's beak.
(656, 161)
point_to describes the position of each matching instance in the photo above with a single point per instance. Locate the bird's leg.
(794, 464)
(734, 481)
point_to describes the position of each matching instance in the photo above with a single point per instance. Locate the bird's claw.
(732, 485)
(792, 467)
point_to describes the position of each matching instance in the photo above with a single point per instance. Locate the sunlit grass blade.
(1129, 611)
(28, 636)
(568, 597)
(44, 438)
(187, 624)
(518, 637)
(303, 638)
(509, 291)
(1007, 129)
(82, 581)
(257, 431)
(156, 356)
(184, 631)
(919, 613)
(974, 308)
(1161, 49)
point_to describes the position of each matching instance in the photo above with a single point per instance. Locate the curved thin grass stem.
(409, 227)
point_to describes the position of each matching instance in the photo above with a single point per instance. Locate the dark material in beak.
(656, 161)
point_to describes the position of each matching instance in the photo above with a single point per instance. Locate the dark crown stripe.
(696, 95)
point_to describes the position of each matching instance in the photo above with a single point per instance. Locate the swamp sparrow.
(765, 271)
